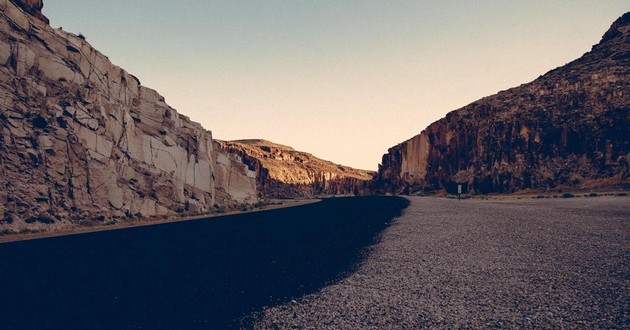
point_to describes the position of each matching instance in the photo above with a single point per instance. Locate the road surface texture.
(551, 263)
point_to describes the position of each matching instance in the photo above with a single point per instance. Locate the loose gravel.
(553, 263)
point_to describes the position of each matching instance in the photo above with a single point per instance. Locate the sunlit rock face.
(82, 140)
(283, 172)
(568, 128)
(234, 181)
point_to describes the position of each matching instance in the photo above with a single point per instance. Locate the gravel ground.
(553, 263)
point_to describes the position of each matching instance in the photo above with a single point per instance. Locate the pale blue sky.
(343, 80)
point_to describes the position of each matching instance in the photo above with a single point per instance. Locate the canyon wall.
(234, 181)
(82, 140)
(569, 128)
(283, 172)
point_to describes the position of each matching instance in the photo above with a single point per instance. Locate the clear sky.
(344, 80)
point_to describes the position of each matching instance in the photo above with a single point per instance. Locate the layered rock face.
(81, 139)
(234, 181)
(568, 128)
(283, 172)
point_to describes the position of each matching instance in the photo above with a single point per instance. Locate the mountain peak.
(619, 28)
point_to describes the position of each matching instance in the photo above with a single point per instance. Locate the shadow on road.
(196, 274)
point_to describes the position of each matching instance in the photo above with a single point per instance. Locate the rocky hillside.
(82, 140)
(568, 128)
(283, 172)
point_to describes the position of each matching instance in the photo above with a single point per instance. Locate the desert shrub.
(219, 209)
(40, 219)
(6, 232)
(261, 203)
(622, 194)
(8, 218)
(88, 223)
(567, 195)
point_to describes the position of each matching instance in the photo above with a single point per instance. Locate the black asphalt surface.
(199, 274)
(551, 263)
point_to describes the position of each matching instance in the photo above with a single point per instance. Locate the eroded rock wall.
(283, 172)
(234, 181)
(82, 140)
(570, 127)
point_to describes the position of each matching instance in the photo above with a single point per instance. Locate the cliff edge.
(568, 128)
(81, 140)
(283, 172)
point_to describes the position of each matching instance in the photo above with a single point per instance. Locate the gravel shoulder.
(77, 230)
(551, 263)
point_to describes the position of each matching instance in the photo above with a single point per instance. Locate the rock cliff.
(568, 128)
(82, 140)
(283, 172)
(234, 181)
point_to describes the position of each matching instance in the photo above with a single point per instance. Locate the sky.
(344, 80)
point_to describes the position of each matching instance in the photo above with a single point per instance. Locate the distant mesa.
(283, 172)
(263, 143)
(569, 128)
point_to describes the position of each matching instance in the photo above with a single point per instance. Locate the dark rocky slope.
(283, 172)
(568, 128)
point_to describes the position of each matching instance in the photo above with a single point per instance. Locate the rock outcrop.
(82, 140)
(234, 181)
(283, 172)
(33, 7)
(568, 128)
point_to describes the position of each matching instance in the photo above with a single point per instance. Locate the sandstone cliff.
(283, 172)
(82, 140)
(570, 127)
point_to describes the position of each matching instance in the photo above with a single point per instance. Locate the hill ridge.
(569, 127)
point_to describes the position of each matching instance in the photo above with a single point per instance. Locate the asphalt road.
(199, 274)
(552, 263)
